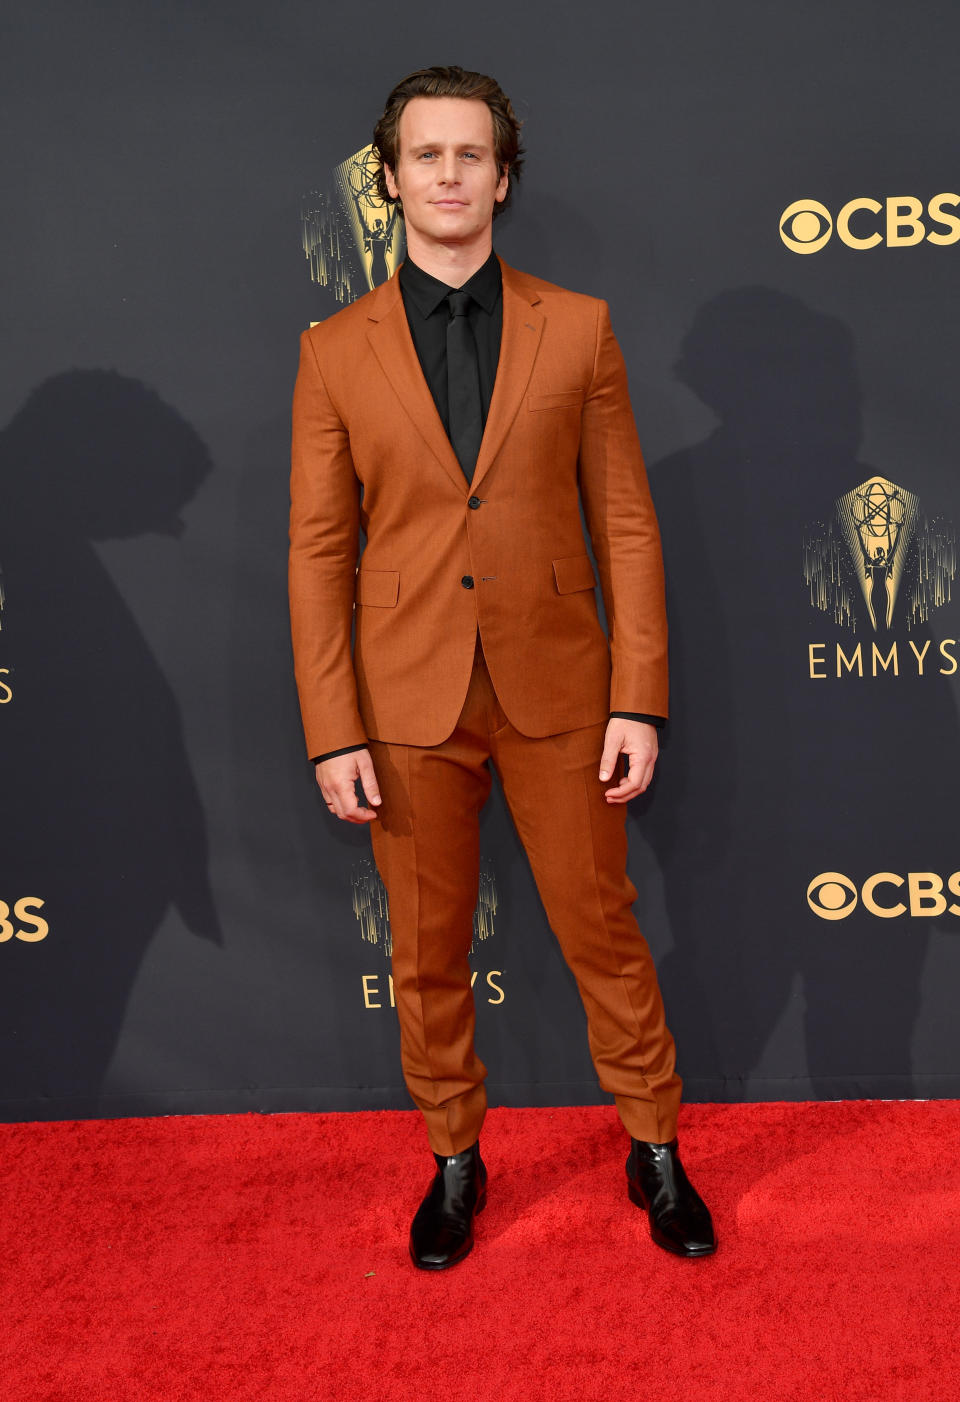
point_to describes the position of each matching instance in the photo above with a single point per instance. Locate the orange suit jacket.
(505, 553)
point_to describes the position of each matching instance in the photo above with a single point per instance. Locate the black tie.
(463, 384)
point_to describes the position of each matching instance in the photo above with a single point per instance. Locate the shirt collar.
(427, 292)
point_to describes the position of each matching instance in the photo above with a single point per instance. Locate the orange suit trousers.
(426, 846)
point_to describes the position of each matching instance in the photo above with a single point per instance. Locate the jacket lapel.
(389, 336)
(519, 343)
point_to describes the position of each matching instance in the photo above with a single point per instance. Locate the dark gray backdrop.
(202, 950)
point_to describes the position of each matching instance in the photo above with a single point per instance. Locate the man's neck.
(453, 263)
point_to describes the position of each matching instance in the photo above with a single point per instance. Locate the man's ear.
(503, 185)
(392, 188)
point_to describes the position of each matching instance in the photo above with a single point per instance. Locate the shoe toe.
(686, 1235)
(435, 1251)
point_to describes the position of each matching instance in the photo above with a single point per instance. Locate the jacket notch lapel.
(519, 343)
(389, 337)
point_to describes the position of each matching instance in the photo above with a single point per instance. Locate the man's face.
(446, 172)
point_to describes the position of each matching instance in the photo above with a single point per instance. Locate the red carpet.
(263, 1259)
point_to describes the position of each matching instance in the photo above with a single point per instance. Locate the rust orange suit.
(477, 637)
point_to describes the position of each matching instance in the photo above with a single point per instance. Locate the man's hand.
(337, 778)
(638, 741)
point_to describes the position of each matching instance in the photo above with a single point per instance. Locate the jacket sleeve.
(623, 529)
(324, 548)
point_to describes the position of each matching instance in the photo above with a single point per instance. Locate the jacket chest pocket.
(566, 399)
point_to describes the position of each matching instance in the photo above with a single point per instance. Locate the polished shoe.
(442, 1231)
(679, 1219)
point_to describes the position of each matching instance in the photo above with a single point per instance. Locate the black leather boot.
(679, 1219)
(442, 1231)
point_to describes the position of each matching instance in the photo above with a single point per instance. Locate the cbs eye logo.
(806, 225)
(831, 895)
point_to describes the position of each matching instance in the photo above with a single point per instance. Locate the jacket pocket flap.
(379, 588)
(555, 401)
(573, 573)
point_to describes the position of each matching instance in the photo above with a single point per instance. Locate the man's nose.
(449, 170)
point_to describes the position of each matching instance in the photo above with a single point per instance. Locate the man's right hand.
(337, 778)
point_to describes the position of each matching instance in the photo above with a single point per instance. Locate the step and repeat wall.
(768, 198)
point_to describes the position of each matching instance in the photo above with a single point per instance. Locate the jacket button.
(467, 581)
(474, 502)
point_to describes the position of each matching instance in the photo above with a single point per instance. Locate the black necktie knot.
(459, 303)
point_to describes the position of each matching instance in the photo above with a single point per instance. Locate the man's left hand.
(638, 741)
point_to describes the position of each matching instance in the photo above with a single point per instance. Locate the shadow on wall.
(772, 777)
(101, 815)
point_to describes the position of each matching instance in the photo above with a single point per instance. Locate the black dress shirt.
(427, 316)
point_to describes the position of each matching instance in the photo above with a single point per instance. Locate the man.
(459, 414)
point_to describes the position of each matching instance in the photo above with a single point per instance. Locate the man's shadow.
(101, 815)
(769, 777)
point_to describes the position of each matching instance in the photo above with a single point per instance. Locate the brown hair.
(450, 82)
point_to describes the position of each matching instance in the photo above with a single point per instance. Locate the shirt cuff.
(332, 754)
(658, 721)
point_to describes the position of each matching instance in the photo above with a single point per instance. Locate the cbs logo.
(833, 896)
(806, 225)
(32, 927)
